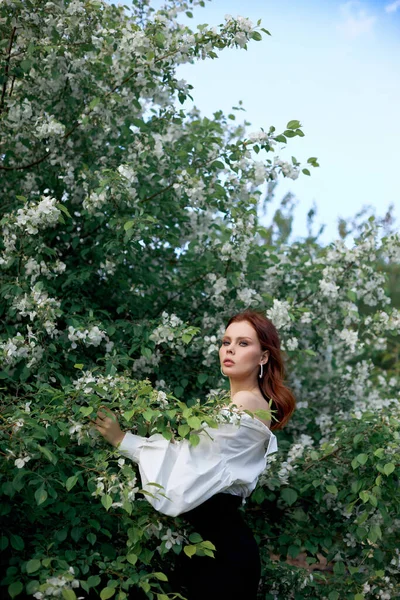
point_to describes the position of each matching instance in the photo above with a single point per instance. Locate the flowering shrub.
(130, 235)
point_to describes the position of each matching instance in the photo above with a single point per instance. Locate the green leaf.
(183, 430)
(48, 454)
(375, 533)
(289, 495)
(132, 559)
(86, 410)
(71, 481)
(202, 378)
(338, 568)
(195, 538)
(68, 594)
(333, 595)
(194, 422)
(64, 209)
(128, 225)
(106, 501)
(189, 550)
(263, 414)
(15, 588)
(293, 125)
(91, 538)
(106, 593)
(194, 439)
(146, 352)
(40, 495)
(93, 580)
(217, 164)
(332, 489)
(159, 39)
(178, 391)
(353, 297)
(32, 565)
(364, 495)
(79, 366)
(149, 414)
(129, 414)
(362, 458)
(160, 576)
(379, 452)
(388, 468)
(207, 544)
(3, 542)
(17, 542)
(281, 138)
(94, 103)
(306, 172)
(256, 35)
(26, 65)
(373, 500)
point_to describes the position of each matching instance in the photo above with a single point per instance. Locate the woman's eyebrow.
(239, 338)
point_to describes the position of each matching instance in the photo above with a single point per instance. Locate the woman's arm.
(179, 476)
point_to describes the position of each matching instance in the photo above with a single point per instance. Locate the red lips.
(228, 361)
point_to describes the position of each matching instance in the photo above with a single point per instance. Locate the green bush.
(130, 235)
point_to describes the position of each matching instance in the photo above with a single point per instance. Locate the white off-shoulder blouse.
(227, 459)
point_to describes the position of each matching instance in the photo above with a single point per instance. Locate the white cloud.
(392, 7)
(356, 20)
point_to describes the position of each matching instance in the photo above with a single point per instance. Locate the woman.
(207, 484)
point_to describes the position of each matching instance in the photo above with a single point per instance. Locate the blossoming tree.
(130, 234)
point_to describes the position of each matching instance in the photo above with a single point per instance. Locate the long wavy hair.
(271, 384)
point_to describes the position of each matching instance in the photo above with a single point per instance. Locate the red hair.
(271, 384)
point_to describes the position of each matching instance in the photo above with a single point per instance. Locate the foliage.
(130, 236)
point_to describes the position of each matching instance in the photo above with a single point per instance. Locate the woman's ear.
(265, 357)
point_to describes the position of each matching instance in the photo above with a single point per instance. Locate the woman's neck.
(244, 385)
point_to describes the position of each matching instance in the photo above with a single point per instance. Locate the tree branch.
(6, 71)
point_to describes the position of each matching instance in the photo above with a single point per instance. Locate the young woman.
(208, 483)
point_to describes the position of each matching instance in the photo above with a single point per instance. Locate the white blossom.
(328, 288)
(21, 461)
(349, 337)
(35, 216)
(292, 344)
(279, 314)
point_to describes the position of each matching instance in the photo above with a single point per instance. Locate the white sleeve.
(190, 475)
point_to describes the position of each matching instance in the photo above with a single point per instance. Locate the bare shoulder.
(251, 402)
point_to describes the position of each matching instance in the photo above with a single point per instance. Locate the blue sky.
(332, 65)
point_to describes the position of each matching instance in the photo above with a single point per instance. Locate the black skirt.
(235, 571)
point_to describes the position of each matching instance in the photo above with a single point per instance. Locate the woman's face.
(240, 344)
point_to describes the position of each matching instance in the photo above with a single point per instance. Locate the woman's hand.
(108, 426)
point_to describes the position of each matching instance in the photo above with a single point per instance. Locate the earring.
(261, 372)
(222, 373)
